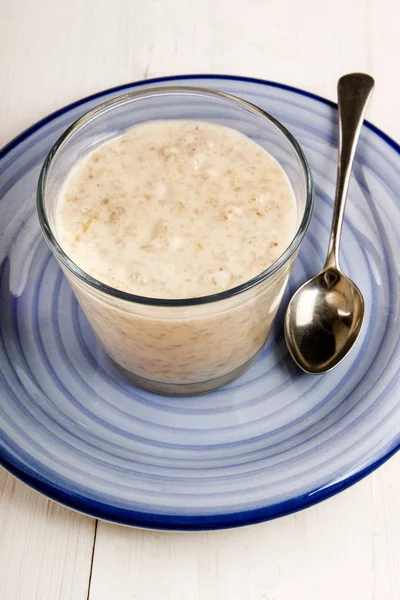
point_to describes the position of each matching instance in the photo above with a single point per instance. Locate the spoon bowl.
(323, 321)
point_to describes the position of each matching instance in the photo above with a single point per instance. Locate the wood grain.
(52, 53)
(346, 547)
(45, 549)
(56, 52)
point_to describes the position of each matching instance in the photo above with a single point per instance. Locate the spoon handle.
(354, 91)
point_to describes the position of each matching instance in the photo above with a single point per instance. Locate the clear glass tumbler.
(175, 346)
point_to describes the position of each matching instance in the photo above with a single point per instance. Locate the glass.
(175, 346)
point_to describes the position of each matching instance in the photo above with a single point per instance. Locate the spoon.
(325, 315)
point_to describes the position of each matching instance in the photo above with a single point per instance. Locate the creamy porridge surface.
(176, 209)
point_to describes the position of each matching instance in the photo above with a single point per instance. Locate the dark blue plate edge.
(143, 520)
(120, 88)
(191, 522)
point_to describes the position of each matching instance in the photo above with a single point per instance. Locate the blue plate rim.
(120, 88)
(144, 520)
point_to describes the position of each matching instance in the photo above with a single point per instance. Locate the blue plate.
(274, 441)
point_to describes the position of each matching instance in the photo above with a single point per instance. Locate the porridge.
(178, 210)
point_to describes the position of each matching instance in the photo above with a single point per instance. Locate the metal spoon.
(325, 315)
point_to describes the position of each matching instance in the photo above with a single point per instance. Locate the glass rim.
(104, 107)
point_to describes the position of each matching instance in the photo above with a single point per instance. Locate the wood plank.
(45, 549)
(346, 547)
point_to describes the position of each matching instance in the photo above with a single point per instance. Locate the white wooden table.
(53, 52)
